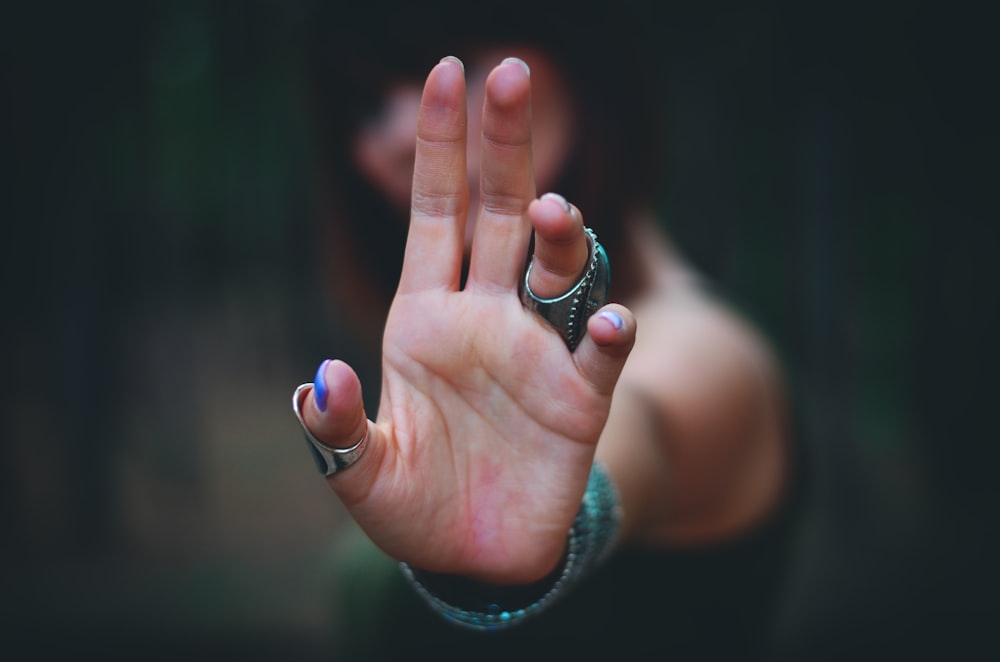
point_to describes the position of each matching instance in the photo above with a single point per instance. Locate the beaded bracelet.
(477, 606)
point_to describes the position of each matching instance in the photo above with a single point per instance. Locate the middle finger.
(507, 182)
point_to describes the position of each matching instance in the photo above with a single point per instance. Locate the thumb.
(333, 412)
(603, 350)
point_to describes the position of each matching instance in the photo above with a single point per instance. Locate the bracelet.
(485, 607)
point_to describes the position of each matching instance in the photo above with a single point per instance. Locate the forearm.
(632, 449)
(695, 438)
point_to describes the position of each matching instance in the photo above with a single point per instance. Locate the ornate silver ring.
(329, 460)
(569, 312)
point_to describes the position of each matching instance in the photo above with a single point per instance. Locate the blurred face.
(383, 147)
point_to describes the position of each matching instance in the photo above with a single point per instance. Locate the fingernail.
(524, 65)
(452, 58)
(561, 200)
(320, 389)
(613, 317)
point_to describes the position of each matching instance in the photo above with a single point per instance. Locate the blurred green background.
(832, 168)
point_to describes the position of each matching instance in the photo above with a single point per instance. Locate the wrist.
(529, 569)
(486, 594)
(486, 606)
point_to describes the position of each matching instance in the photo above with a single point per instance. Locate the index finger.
(434, 244)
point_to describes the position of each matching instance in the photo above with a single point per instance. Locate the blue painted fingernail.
(613, 317)
(320, 389)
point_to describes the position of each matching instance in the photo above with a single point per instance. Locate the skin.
(471, 466)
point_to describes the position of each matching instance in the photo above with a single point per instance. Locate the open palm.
(487, 424)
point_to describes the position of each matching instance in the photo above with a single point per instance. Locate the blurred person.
(524, 485)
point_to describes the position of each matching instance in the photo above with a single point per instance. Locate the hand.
(487, 424)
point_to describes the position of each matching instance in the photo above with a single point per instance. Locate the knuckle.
(437, 204)
(503, 203)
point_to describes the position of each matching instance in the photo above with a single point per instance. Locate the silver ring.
(328, 460)
(569, 312)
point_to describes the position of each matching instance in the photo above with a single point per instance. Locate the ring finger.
(561, 248)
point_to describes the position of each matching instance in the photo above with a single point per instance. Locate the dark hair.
(354, 53)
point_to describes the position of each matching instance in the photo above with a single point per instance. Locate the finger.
(334, 413)
(561, 247)
(602, 352)
(435, 243)
(507, 183)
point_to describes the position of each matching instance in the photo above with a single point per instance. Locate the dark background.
(832, 167)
